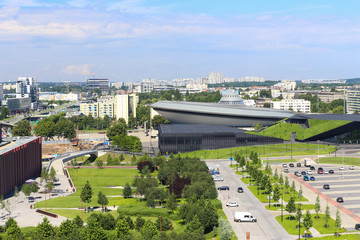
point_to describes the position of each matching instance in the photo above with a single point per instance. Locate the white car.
(341, 168)
(232, 204)
(308, 172)
(326, 171)
(218, 177)
(352, 168)
(285, 165)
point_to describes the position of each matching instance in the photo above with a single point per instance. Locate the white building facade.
(297, 105)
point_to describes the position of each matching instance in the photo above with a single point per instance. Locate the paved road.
(266, 227)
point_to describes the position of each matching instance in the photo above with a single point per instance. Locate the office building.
(119, 106)
(352, 100)
(27, 87)
(96, 83)
(18, 105)
(19, 161)
(297, 105)
(147, 86)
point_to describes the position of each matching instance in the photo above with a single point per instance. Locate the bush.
(141, 165)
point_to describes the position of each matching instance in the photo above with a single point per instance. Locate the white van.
(244, 217)
(218, 177)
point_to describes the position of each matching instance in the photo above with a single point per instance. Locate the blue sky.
(135, 39)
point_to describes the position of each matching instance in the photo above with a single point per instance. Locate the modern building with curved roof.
(234, 115)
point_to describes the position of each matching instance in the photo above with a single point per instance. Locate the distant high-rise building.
(215, 77)
(147, 85)
(26, 87)
(97, 83)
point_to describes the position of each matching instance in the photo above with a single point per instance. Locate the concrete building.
(297, 105)
(27, 87)
(325, 81)
(285, 85)
(97, 83)
(59, 97)
(352, 100)
(17, 105)
(252, 79)
(215, 77)
(119, 106)
(19, 161)
(147, 86)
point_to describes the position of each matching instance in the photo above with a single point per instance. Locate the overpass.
(63, 158)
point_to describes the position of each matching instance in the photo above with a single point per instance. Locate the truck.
(307, 162)
(244, 217)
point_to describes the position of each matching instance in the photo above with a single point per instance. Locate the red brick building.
(19, 161)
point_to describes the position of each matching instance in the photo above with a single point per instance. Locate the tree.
(78, 221)
(52, 174)
(327, 215)
(102, 200)
(276, 194)
(194, 225)
(257, 126)
(26, 189)
(127, 191)
(122, 228)
(16, 192)
(118, 128)
(300, 192)
(157, 120)
(308, 223)
(281, 179)
(225, 229)
(287, 185)
(290, 206)
(99, 163)
(163, 223)
(12, 230)
(276, 176)
(45, 229)
(293, 188)
(139, 223)
(317, 206)
(34, 188)
(86, 194)
(338, 222)
(171, 202)
(4, 112)
(298, 215)
(148, 230)
(93, 230)
(45, 128)
(23, 128)
(66, 229)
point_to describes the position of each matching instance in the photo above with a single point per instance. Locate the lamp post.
(282, 204)
(318, 141)
(299, 220)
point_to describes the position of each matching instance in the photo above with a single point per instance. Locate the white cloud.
(82, 69)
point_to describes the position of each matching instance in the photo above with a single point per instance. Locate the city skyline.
(131, 40)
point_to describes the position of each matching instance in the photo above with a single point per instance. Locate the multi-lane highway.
(266, 226)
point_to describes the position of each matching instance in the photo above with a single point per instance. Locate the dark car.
(240, 190)
(357, 226)
(224, 188)
(291, 165)
(326, 186)
(303, 173)
(312, 168)
(320, 170)
(340, 200)
(312, 178)
(298, 164)
(331, 171)
(306, 178)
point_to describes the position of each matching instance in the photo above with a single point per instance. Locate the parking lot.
(343, 183)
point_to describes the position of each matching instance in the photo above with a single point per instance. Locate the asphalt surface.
(266, 226)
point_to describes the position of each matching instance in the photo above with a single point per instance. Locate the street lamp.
(299, 219)
(282, 204)
(318, 141)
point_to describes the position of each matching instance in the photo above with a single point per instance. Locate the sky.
(129, 40)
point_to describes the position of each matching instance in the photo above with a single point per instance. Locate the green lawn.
(278, 207)
(318, 224)
(338, 160)
(273, 150)
(263, 196)
(104, 157)
(342, 237)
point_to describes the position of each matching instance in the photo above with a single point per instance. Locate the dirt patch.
(59, 148)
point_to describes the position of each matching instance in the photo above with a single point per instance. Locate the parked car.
(312, 178)
(298, 174)
(298, 164)
(240, 190)
(303, 173)
(326, 171)
(308, 172)
(352, 168)
(291, 165)
(232, 204)
(284, 165)
(218, 177)
(331, 171)
(306, 178)
(312, 168)
(357, 226)
(320, 170)
(244, 217)
(223, 188)
(341, 168)
(286, 170)
(340, 200)
(326, 186)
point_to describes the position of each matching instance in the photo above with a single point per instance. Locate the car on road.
(357, 226)
(286, 170)
(340, 200)
(291, 165)
(218, 177)
(312, 178)
(331, 171)
(326, 171)
(298, 174)
(320, 170)
(214, 172)
(352, 168)
(284, 165)
(303, 173)
(240, 190)
(326, 186)
(341, 168)
(306, 178)
(308, 172)
(232, 204)
(312, 168)
(223, 188)
(298, 164)
(244, 217)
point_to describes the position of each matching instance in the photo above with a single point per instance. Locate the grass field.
(99, 180)
(263, 197)
(278, 207)
(127, 158)
(338, 160)
(341, 237)
(273, 150)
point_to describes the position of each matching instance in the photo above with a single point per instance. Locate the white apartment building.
(297, 105)
(285, 85)
(352, 100)
(215, 77)
(119, 106)
(60, 97)
(252, 79)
